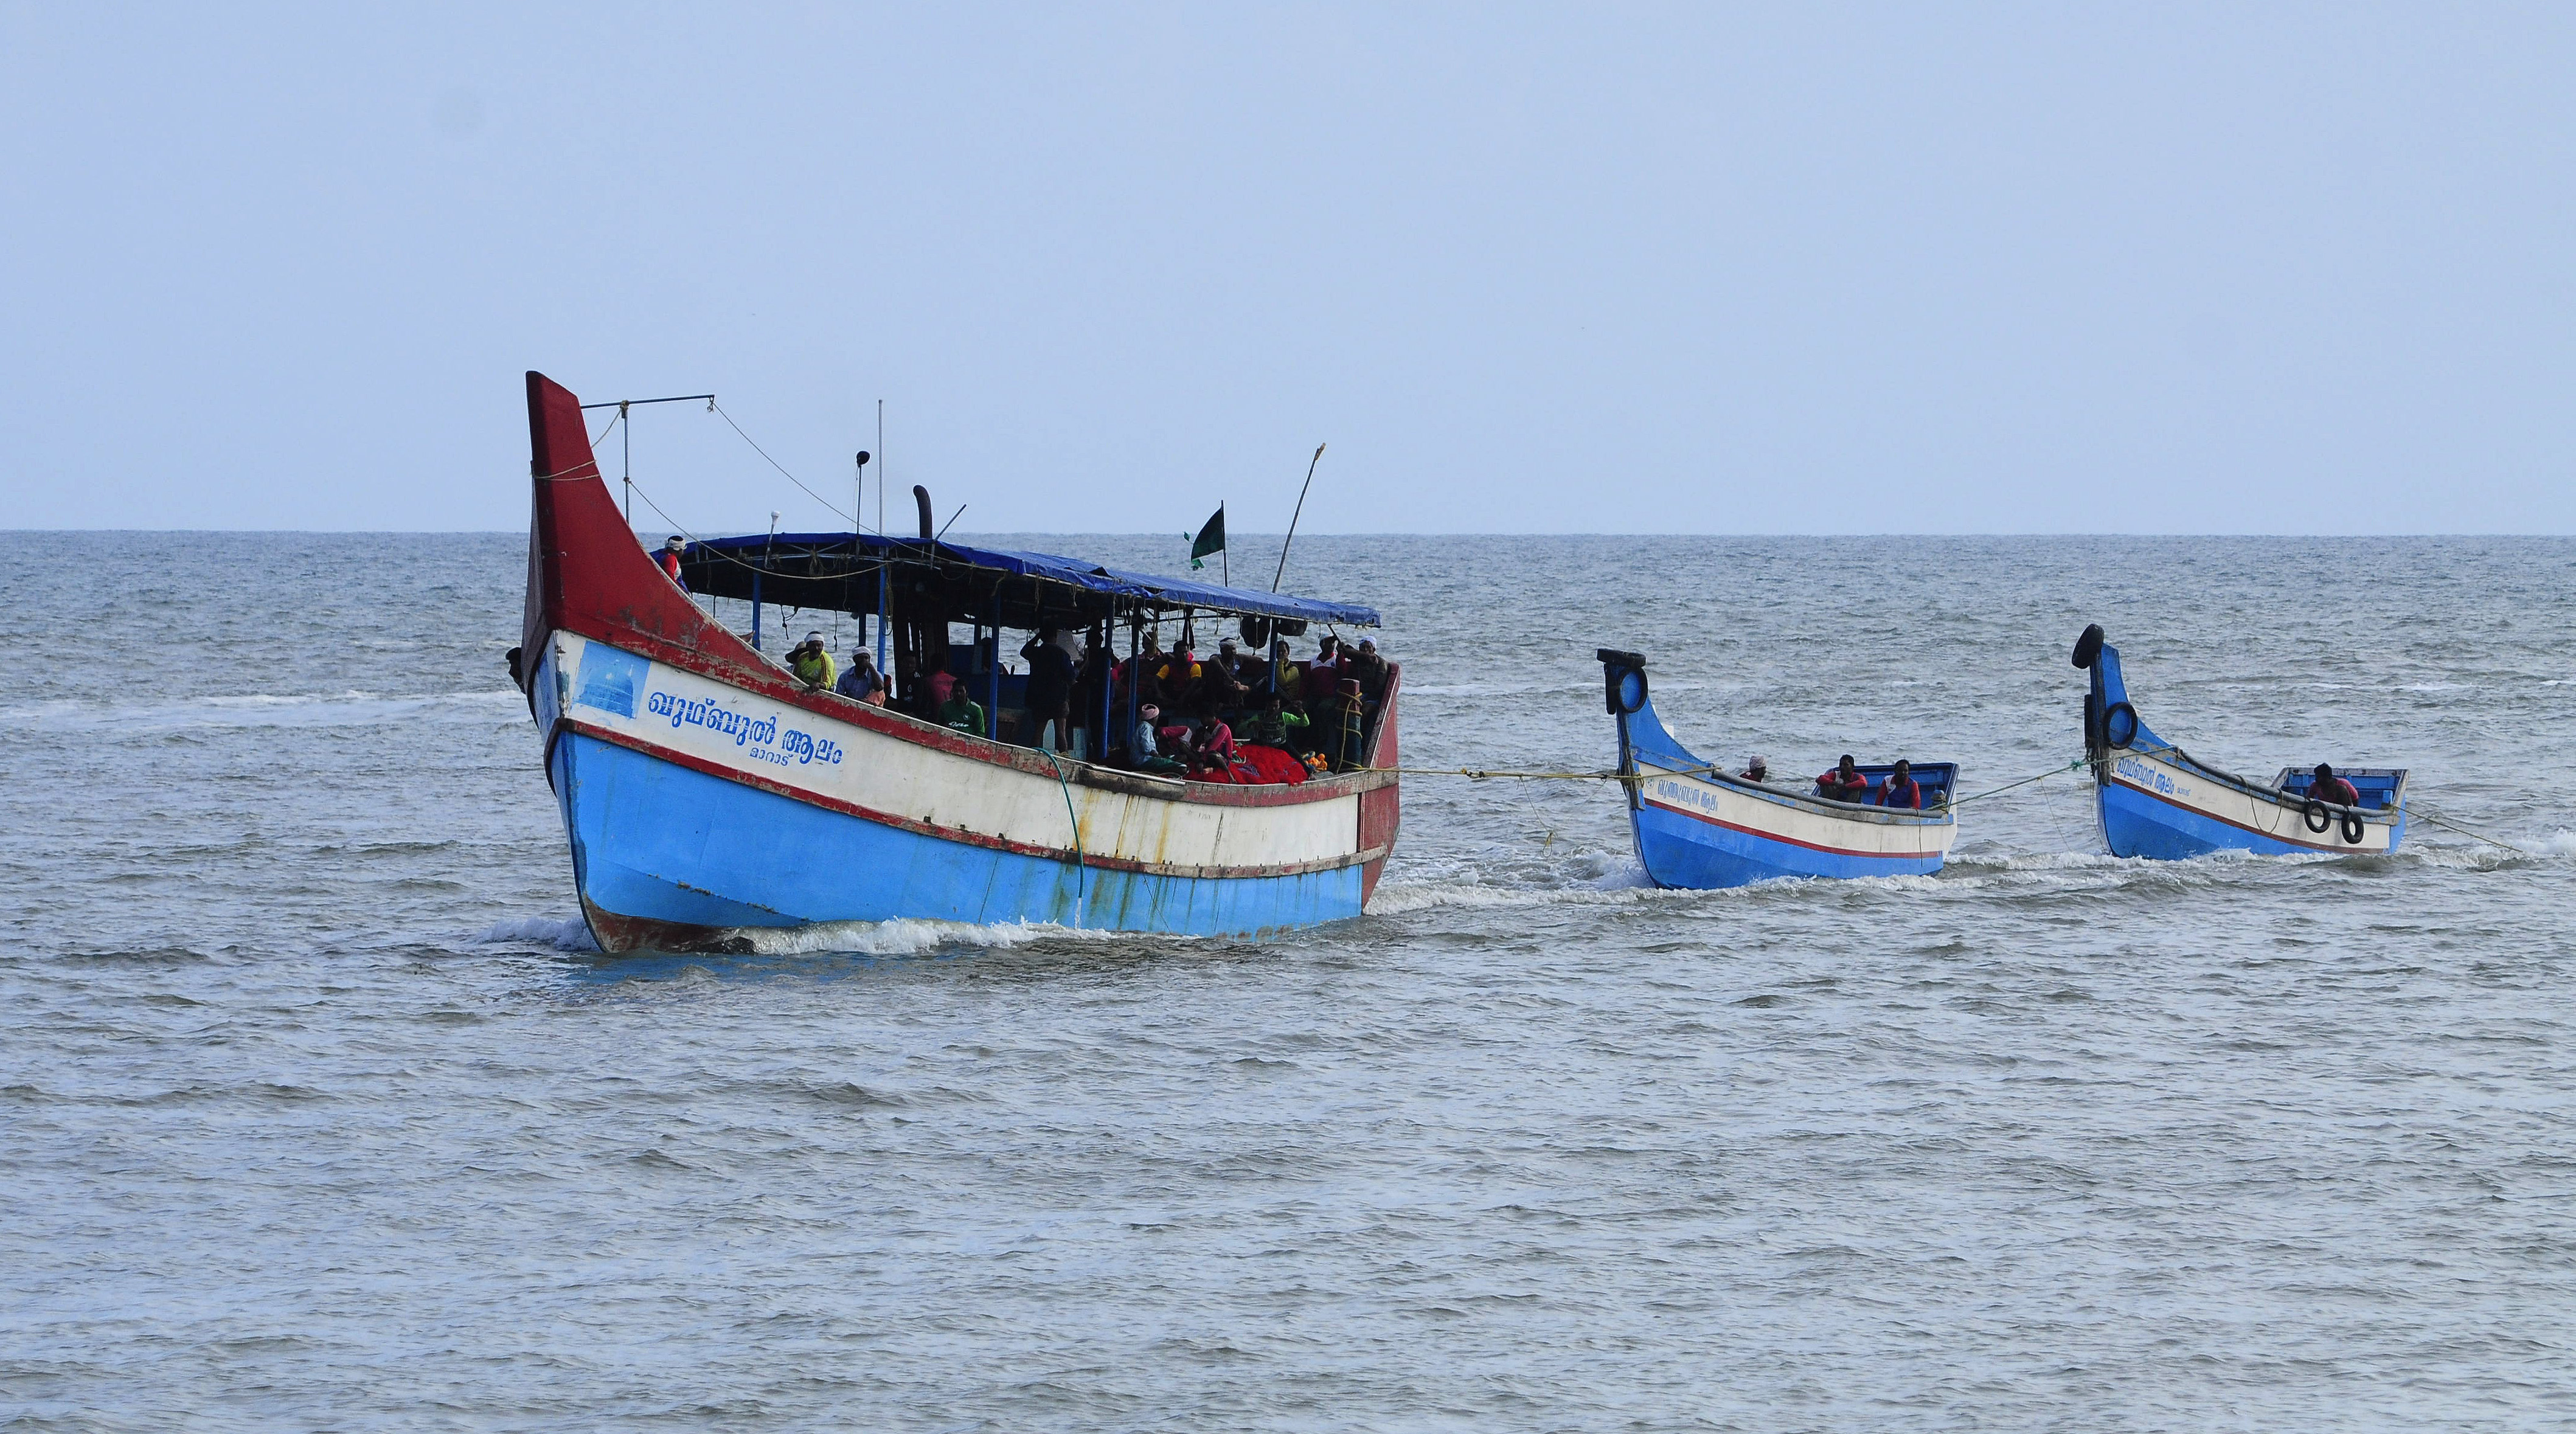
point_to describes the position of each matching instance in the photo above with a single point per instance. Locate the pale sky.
(1583, 268)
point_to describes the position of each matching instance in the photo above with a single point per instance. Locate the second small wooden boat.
(1699, 828)
(2155, 800)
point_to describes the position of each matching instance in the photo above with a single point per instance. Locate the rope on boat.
(2074, 766)
(1078, 877)
(2464, 831)
(718, 411)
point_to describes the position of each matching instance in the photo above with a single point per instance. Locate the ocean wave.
(262, 709)
(563, 933)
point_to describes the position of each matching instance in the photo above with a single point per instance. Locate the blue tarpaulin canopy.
(828, 571)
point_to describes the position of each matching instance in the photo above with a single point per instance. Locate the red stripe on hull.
(955, 834)
(1788, 841)
(2205, 813)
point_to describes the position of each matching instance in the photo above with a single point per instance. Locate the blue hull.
(752, 858)
(1683, 852)
(2135, 824)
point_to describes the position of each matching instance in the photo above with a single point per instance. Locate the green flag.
(1211, 538)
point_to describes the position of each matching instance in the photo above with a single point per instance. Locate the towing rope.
(2464, 831)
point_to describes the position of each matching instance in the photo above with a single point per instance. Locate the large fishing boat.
(1698, 828)
(2156, 800)
(705, 790)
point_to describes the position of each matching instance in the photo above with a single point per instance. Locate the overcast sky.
(1693, 269)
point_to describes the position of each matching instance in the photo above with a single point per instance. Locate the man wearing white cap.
(811, 664)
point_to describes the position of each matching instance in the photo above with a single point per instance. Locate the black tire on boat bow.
(2088, 648)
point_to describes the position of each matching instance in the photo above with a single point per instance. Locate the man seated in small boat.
(811, 664)
(1756, 769)
(2330, 788)
(1901, 789)
(1844, 783)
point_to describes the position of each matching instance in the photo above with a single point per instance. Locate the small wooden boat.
(704, 790)
(2156, 800)
(1699, 828)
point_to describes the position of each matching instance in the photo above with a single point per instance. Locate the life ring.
(2111, 736)
(2353, 828)
(2316, 815)
(2088, 648)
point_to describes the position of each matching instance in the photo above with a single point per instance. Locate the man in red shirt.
(669, 558)
(1844, 783)
(2331, 788)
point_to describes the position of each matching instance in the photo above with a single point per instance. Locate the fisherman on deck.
(2331, 788)
(1844, 783)
(1145, 747)
(1274, 725)
(811, 664)
(1371, 670)
(1756, 769)
(1214, 749)
(962, 712)
(1050, 683)
(861, 677)
(1901, 789)
(669, 559)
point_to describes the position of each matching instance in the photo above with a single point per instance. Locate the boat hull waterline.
(704, 794)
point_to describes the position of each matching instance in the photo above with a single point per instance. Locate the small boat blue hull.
(1697, 854)
(1698, 829)
(2155, 800)
(660, 843)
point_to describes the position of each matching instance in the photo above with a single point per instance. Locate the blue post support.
(1135, 680)
(993, 684)
(883, 611)
(755, 610)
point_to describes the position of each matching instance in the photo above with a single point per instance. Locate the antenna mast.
(1293, 517)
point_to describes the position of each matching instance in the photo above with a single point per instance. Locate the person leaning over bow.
(2331, 788)
(811, 664)
(1756, 770)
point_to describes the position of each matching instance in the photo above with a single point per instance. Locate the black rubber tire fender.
(2317, 815)
(2354, 828)
(2088, 648)
(2111, 735)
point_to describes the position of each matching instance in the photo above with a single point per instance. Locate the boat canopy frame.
(997, 587)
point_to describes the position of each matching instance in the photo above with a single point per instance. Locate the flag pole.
(1293, 517)
(1224, 559)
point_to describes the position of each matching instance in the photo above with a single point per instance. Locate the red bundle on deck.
(1256, 765)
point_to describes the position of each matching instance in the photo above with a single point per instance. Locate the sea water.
(316, 1110)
